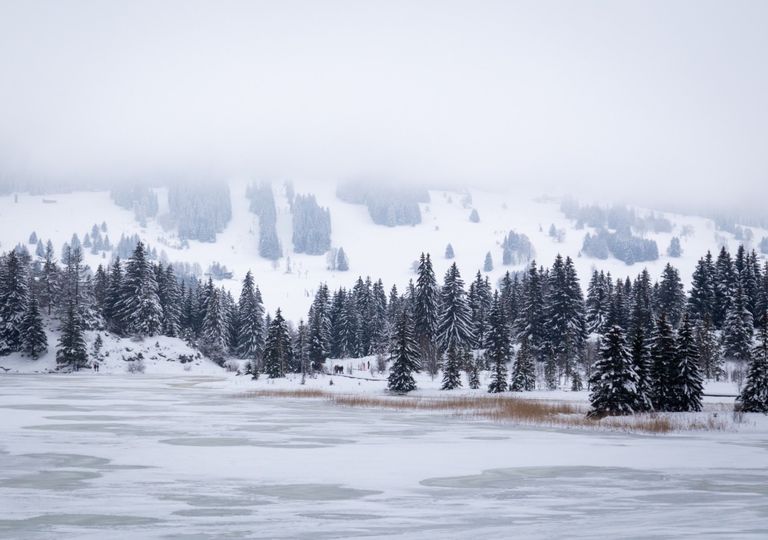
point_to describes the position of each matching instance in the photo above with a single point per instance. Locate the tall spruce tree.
(71, 354)
(250, 344)
(454, 327)
(452, 368)
(663, 351)
(524, 370)
(754, 395)
(670, 297)
(140, 307)
(14, 296)
(686, 388)
(320, 328)
(499, 347)
(426, 310)
(737, 328)
(278, 351)
(701, 301)
(404, 356)
(213, 338)
(34, 341)
(614, 380)
(708, 348)
(641, 362)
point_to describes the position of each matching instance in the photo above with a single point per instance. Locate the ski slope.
(373, 250)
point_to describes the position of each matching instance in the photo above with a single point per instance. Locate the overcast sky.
(622, 96)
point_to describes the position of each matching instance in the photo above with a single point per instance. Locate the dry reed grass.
(514, 409)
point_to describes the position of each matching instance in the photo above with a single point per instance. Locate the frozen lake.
(87, 456)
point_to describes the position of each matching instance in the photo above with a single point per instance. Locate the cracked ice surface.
(84, 456)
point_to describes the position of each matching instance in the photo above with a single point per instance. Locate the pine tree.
(452, 369)
(499, 347)
(524, 371)
(404, 357)
(473, 370)
(278, 352)
(531, 321)
(320, 328)
(112, 298)
(34, 340)
(213, 340)
(140, 307)
(71, 354)
(725, 282)
(598, 302)
(662, 363)
(754, 396)
(614, 380)
(701, 301)
(670, 297)
(170, 300)
(14, 297)
(426, 310)
(449, 254)
(686, 386)
(250, 343)
(49, 294)
(708, 347)
(455, 326)
(641, 362)
(737, 329)
(342, 263)
(301, 362)
(488, 263)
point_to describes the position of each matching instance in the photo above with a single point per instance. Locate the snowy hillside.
(375, 250)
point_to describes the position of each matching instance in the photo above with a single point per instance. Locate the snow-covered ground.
(140, 456)
(372, 249)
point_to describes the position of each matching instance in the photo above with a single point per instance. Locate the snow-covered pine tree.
(701, 301)
(170, 300)
(737, 328)
(49, 291)
(342, 263)
(499, 347)
(472, 365)
(614, 380)
(530, 323)
(454, 327)
(250, 334)
(320, 328)
(662, 363)
(686, 386)
(708, 347)
(278, 351)
(488, 263)
(426, 310)
(523, 371)
(674, 249)
(480, 298)
(112, 298)
(641, 362)
(725, 284)
(670, 297)
(404, 356)
(474, 217)
(449, 254)
(301, 363)
(14, 297)
(452, 368)
(598, 302)
(754, 395)
(213, 339)
(34, 341)
(140, 307)
(71, 354)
